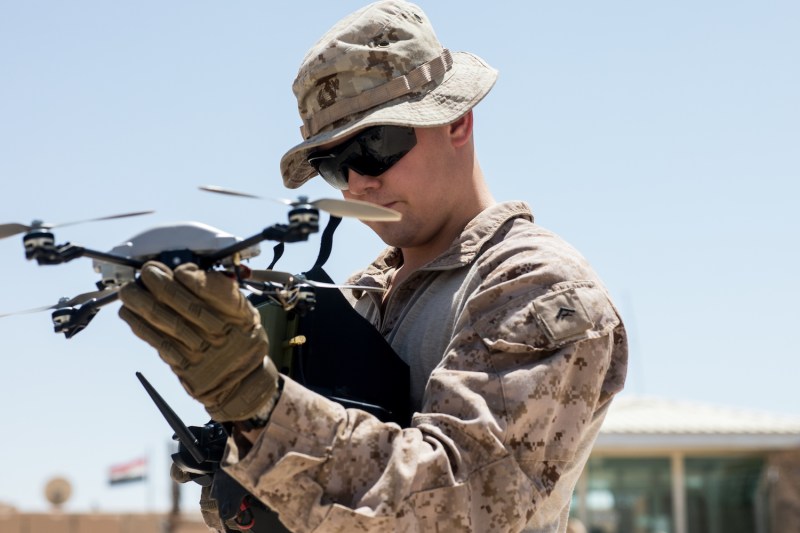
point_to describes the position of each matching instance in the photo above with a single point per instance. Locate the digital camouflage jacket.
(515, 352)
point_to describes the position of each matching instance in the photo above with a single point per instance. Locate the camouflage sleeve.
(504, 415)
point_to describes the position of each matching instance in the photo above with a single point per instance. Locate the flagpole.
(173, 518)
(149, 483)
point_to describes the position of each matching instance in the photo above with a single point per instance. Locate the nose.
(360, 184)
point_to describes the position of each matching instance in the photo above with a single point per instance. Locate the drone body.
(172, 244)
(175, 244)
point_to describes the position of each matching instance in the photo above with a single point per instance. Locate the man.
(514, 347)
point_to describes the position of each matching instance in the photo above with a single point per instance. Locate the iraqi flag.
(127, 472)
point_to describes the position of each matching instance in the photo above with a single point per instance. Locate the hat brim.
(466, 83)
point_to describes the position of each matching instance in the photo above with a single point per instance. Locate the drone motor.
(38, 241)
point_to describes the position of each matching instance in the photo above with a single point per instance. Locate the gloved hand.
(208, 505)
(207, 331)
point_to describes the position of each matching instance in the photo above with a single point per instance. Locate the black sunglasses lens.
(367, 166)
(329, 167)
(381, 148)
(371, 153)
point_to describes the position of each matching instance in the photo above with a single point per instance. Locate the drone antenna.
(185, 436)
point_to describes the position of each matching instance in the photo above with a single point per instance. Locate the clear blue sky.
(659, 138)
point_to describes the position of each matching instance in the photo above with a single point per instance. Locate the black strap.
(326, 245)
(277, 253)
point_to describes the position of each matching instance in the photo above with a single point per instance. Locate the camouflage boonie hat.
(381, 65)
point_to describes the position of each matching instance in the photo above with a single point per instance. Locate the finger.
(178, 475)
(211, 376)
(161, 318)
(218, 290)
(160, 281)
(166, 348)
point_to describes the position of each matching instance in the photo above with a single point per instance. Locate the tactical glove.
(207, 331)
(208, 505)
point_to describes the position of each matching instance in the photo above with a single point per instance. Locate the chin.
(391, 238)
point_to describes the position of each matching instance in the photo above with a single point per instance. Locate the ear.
(461, 130)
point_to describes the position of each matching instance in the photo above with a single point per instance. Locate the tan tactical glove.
(208, 505)
(207, 331)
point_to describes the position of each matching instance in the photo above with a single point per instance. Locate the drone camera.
(113, 275)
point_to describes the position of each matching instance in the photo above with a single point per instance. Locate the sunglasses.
(370, 153)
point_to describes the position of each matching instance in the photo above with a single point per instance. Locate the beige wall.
(11, 522)
(783, 489)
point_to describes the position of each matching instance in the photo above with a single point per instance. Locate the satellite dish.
(57, 491)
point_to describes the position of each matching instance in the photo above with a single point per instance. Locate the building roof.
(651, 423)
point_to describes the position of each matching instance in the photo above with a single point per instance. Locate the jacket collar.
(465, 248)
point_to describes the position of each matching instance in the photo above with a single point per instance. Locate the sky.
(659, 138)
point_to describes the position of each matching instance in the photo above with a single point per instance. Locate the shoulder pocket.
(568, 312)
(574, 311)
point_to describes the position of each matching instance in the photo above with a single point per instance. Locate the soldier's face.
(422, 186)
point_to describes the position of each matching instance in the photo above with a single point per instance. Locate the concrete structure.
(658, 467)
(678, 467)
(13, 522)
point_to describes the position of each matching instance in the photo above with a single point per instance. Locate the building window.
(721, 494)
(628, 496)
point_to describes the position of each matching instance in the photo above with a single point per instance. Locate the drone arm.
(111, 258)
(278, 232)
(67, 252)
(71, 321)
(96, 303)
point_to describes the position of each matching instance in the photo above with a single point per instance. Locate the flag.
(135, 470)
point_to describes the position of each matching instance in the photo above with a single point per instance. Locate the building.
(677, 467)
(57, 522)
(658, 467)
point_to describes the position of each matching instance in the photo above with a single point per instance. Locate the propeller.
(15, 228)
(284, 278)
(339, 208)
(65, 302)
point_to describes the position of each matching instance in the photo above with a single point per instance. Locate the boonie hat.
(381, 65)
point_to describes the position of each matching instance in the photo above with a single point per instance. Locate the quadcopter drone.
(175, 244)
